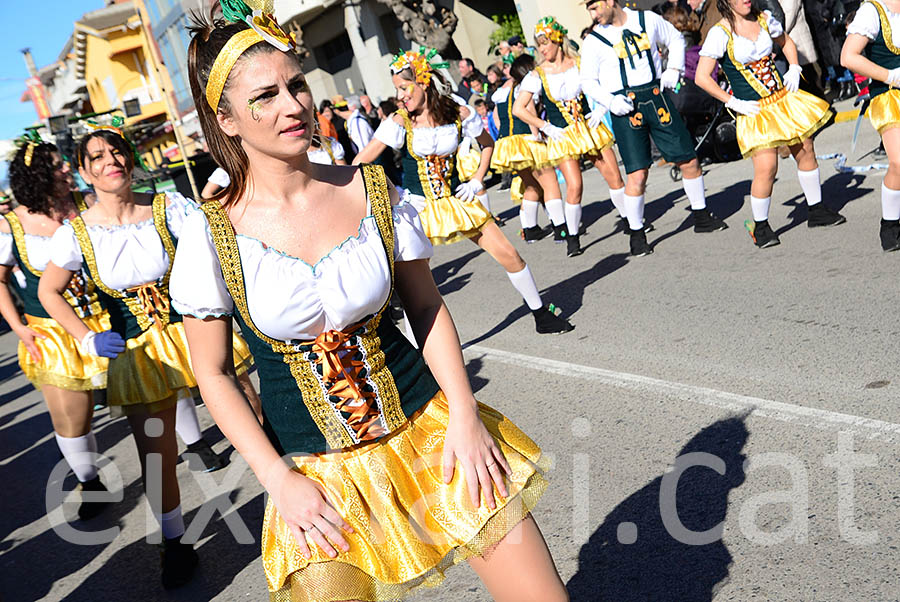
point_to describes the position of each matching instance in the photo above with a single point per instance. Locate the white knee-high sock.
(528, 213)
(555, 209)
(485, 200)
(524, 283)
(760, 207)
(76, 451)
(573, 218)
(812, 189)
(617, 196)
(696, 193)
(186, 423)
(890, 203)
(171, 523)
(634, 211)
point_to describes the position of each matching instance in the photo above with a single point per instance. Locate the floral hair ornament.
(31, 140)
(115, 126)
(263, 28)
(419, 62)
(550, 28)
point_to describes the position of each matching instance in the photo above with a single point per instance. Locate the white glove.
(552, 132)
(670, 79)
(594, 118)
(893, 78)
(466, 191)
(620, 105)
(465, 146)
(743, 107)
(792, 78)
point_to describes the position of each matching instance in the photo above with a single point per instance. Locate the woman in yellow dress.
(382, 471)
(52, 359)
(570, 129)
(872, 51)
(772, 111)
(126, 243)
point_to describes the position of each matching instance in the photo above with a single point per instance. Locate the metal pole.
(170, 110)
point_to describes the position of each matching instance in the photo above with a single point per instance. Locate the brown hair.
(522, 66)
(442, 107)
(209, 36)
(113, 139)
(681, 19)
(726, 11)
(34, 185)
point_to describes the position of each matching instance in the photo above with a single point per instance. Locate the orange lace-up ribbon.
(573, 107)
(344, 372)
(439, 168)
(154, 302)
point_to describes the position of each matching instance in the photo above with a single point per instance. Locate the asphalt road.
(723, 420)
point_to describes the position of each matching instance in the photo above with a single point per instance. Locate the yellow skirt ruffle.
(409, 525)
(518, 152)
(155, 367)
(448, 220)
(884, 110)
(467, 164)
(62, 362)
(579, 140)
(784, 118)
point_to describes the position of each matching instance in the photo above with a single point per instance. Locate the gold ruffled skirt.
(409, 525)
(62, 362)
(448, 219)
(784, 118)
(579, 140)
(155, 367)
(467, 164)
(517, 153)
(884, 110)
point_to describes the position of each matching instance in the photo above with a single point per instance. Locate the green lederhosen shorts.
(654, 115)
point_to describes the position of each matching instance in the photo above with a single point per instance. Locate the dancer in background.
(572, 132)
(621, 69)
(428, 130)
(772, 111)
(872, 50)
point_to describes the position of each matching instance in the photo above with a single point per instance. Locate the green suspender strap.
(632, 45)
(303, 357)
(148, 303)
(33, 306)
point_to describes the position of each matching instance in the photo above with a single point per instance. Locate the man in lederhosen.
(621, 69)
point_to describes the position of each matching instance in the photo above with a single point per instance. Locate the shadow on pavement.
(656, 566)
(839, 190)
(442, 273)
(473, 367)
(723, 204)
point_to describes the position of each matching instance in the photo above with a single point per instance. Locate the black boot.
(704, 221)
(548, 321)
(573, 246)
(639, 246)
(626, 229)
(762, 234)
(179, 560)
(890, 235)
(533, 233)
(88, 510)
(559, 233)
(202, 458)
(820, 215)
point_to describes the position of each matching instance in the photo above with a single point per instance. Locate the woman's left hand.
(480, 458)
(467, 190)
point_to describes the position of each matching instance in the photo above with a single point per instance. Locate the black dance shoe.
(762, 234)
(573, 246)
(820, 215)
(88, 510)
(533, 234)
(559, 233)
(548, 321)
(704, 221)
(639, 246)
(179, 561)
(202, 458)
(890, 235)
(626, 229)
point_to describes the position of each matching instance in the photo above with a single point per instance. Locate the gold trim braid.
(18, 233)
(748, 76)
(424, 180)
(885, 27)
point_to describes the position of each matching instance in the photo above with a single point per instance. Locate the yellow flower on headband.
(266, 26)
(420, 64)
(550, 28)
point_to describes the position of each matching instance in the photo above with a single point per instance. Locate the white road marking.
(786, 412)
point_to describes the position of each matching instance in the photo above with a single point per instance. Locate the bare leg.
(492, 240)
(608, 166)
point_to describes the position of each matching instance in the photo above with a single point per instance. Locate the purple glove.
(103, 344)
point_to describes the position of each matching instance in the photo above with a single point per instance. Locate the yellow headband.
(223, 64)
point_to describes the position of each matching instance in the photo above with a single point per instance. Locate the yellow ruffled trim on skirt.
(409, 525)
(579, 140)
(155, 367)
(517, 153)
(448, 219)
(884, 110)
(784, 118)
(467, 164)
(62, 362)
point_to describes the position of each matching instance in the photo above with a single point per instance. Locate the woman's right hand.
(304, 507)
(743, 107)
(27, 336)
